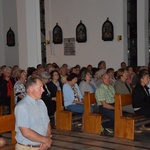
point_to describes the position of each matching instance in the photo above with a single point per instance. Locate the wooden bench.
(7, 124)
(125, 125)
(12, 104)
(63, 117)
(92, 121)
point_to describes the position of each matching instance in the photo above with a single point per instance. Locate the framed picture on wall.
(57, 34)
(10, 38)
(107, 31)
(81, 35)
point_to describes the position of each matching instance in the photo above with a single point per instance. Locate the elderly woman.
(7, 84)
(123, 87)
(19, 87)
(86, 84)
(46, 95)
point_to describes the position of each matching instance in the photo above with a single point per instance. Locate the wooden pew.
(1, 110)
(63, 117)
(7, 124)
(92, 121)
(125, 125)
(12, 104)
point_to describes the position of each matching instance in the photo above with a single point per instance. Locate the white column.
(49, 30)
(142, 33)
(29, 34)
(2, 49)
(125, 47)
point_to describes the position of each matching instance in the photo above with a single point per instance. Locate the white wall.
(2, 54)
(10, 20)
(28, 17)
(93, 14)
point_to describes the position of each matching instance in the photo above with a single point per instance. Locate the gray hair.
(45, 75)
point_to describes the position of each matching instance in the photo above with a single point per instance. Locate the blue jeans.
(78, 108)
(109, 113)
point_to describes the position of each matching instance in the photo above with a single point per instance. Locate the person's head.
(31, 71)
(94, 73)
(137, 69)
(49, 65)
(110, 72)
(63, 71)
(143, 77)
(3, 67)
(15, 67)
(123, 65)
(73, 70)
(45, 76)
(15, 72)
(106, 79)
(100, 72)
(55, 76)
(86, 75)
(2, 142)
(40, 70)
(130, 70)
(39, 66)
(72, 79)
(122, 74)
(65, 65)
(34, 87)
(7, 72)
(102, 65)
(55, 66)
(78, 67)
(90, 67)
(21, 74)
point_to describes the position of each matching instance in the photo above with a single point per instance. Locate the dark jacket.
(140, 97)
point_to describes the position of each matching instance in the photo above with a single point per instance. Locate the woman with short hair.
(46, 95)
(86, 85)
(73, 99)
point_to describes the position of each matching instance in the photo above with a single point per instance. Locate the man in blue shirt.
(32, 127)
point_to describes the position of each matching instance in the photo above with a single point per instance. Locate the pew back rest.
(121, 100)
(7, 124)
(63, 117)
(92, 121)
(59, 100)
(89, 99)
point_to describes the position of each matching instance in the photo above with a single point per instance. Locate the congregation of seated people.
(73, 82)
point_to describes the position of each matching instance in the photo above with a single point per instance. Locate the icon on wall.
(10, 37)
(57, 34)
(107, 31)
(81, 35)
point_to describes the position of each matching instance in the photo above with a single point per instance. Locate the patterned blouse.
(19, 88)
